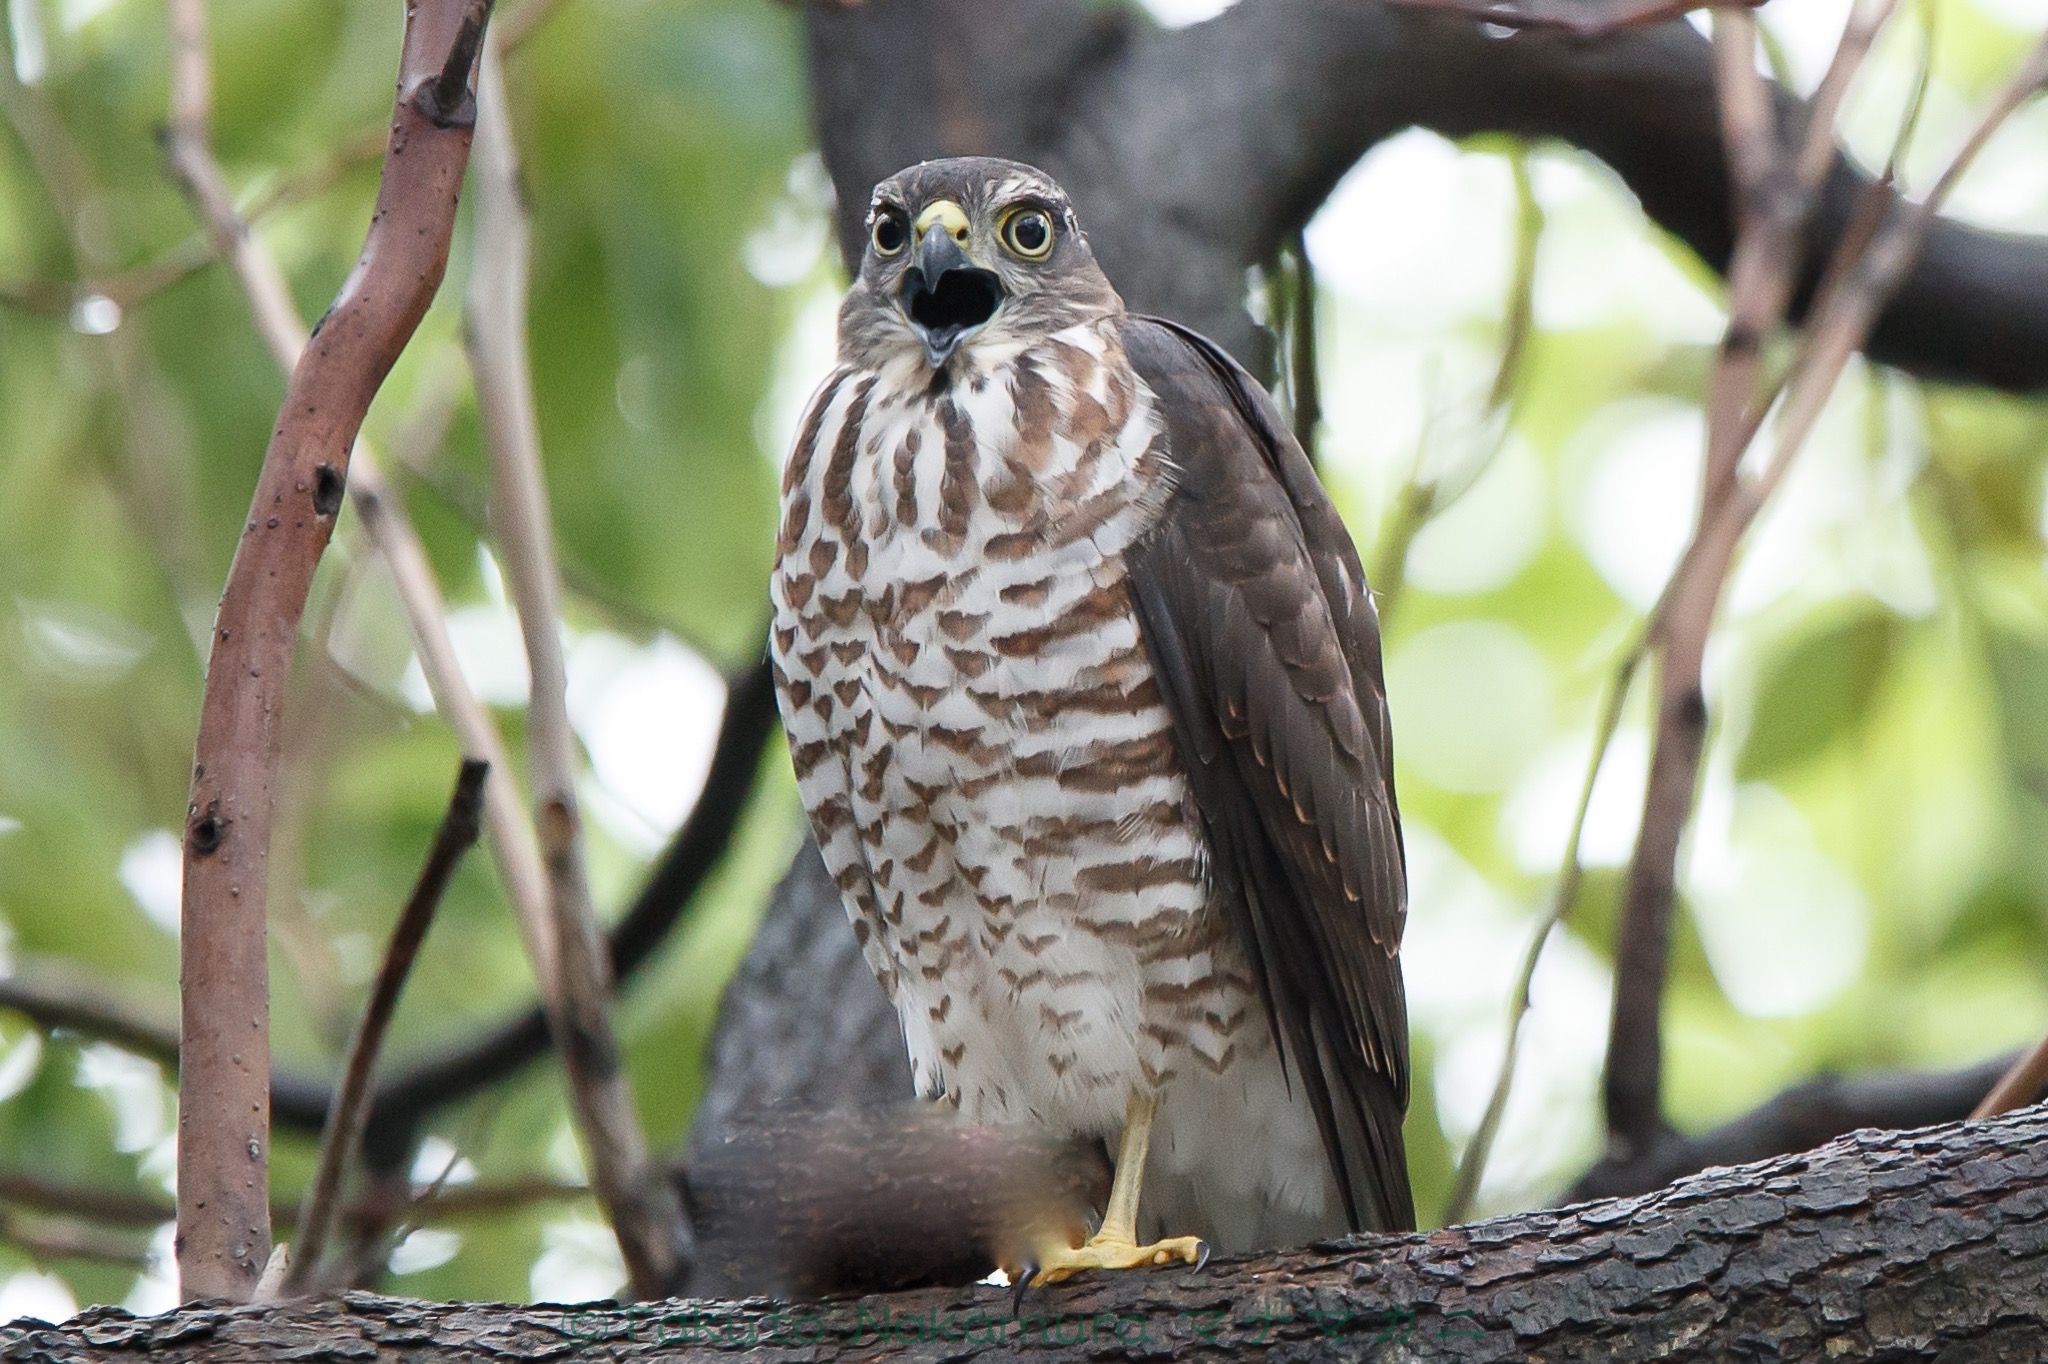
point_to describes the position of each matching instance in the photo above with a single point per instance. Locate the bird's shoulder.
(1250, 508)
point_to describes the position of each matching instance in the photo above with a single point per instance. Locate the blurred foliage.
(1865, 883)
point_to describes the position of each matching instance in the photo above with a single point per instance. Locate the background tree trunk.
(1902, 1246)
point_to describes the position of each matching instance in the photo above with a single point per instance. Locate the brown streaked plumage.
(1082, 683)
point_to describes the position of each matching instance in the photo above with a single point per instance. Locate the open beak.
(945, 295)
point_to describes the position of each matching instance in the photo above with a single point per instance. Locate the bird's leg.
(1116, 1246)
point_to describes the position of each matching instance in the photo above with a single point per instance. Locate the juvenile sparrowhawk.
(1082, 682)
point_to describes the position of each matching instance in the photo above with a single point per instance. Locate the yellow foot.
(1058, 1263)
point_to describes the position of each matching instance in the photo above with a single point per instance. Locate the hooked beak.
(945, 295)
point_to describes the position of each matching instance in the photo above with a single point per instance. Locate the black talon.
(1021, 1287)
(1202, 1260)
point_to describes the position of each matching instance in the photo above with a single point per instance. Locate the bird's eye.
(890, 232)
(1028, 232)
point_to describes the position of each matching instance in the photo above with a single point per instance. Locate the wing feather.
(1256, 617)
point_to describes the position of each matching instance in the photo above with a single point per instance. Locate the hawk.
(1081, 679)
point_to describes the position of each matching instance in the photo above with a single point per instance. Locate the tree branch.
(644, 1211)
(2019, 1084)
(1799, 1119)
(343, 1134)
(1580, 18)
(61, 1238)
(52, 995)
(1901, 1246)
(224, 1092)
(1472, 1164)
(115, 1208)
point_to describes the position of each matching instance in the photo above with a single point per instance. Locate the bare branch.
(189, 141)
(644, 1210)
(1580, 18)
(115, 1208)
(350, 1110)
(1797, 1119)
(1817, 155)
(224, 1090)
(483, 1199)
(53, 995)
(512, 841)
(2021, 1084)
(107, 1207)
(62, 1238)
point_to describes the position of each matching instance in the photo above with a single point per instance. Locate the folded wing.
(1256, 617)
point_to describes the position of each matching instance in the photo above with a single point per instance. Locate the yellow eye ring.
(889, 233)
(1028, 232)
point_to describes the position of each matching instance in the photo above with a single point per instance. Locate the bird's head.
(965, 254)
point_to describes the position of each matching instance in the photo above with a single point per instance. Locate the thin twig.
(434, 1203)
(1472, 1165)
(2019, 1086)
(447, 1204)
(1770, 214)
(189, 142)
(1862, 286)
(1817, 154)
(1585, 19)
(1304, 384)
(224, 1076)
(351, 1109)
(645, 1213)
(1423, 498)
(1770, 211)
(107, 1207)
(52, 996)
(512, 840)
(1916, 103)
(61, 1238)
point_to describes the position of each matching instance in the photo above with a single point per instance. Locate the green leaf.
(1818, 691)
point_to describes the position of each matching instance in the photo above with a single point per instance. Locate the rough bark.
(1899, 1246)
